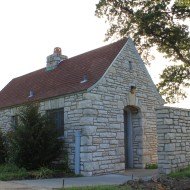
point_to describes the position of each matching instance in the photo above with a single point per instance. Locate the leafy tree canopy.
(154, 23)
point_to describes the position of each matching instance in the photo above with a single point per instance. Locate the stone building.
(106, 94)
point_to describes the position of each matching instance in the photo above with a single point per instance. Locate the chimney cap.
(57, 50)
(55, 59)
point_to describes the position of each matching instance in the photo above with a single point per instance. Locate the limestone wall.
(173, 128)
(107, 99)
(5, 119)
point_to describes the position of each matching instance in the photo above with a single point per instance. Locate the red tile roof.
(65, 79)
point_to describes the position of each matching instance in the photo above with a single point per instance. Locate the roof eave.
(40, 100)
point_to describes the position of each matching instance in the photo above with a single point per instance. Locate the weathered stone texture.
(173, 128)
(112, 92)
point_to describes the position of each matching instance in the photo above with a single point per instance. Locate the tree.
(154, 23)
(3, 151)
(34, 142)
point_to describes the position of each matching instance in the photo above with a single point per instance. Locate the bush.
(3, 151)
(5, 168)
(151, 166)
(42, 173)
(12, 172)
(34, 142)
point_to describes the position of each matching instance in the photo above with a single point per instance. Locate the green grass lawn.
(183, 173)
(12, 172)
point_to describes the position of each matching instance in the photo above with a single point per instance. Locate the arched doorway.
(132, 137)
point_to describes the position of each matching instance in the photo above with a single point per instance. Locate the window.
(130, 65)
(14, 121)
(57, 117)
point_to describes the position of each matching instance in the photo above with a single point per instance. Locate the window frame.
(14, 121)
(130, 65)
(57, 116)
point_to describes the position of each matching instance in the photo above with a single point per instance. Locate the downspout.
(77, 151)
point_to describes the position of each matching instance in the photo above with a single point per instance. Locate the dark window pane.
(14, 121)
(57, 117)
(130, 65)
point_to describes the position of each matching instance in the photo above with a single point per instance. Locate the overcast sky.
(30, 29)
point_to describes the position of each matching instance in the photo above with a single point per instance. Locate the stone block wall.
(173, 129)
(5, 119)
(108, 98)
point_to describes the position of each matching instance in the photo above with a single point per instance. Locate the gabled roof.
(65, 79)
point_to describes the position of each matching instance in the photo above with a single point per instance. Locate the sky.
(31, 29)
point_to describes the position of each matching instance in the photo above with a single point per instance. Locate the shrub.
(151, 166)
(12, 172)
(2, 148)
(42, 173)
(5, 168)
(34, 142)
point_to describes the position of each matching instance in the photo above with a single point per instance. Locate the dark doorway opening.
(128, 138)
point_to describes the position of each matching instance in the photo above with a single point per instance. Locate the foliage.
(151, 166)
(8, 168)
(12, 172)
(42, 173)
(3, 152)
(63, 163)
(34, 142)
(154, 23)
(183, 173)
(173, 79)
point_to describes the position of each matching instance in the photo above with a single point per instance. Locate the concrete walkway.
(18, 186)
(47, 184)
(141, 173)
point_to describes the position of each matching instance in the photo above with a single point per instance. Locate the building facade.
(107, 95)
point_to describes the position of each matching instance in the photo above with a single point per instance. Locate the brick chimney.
(54, 59)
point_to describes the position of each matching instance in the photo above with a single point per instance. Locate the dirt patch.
(162, 183)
